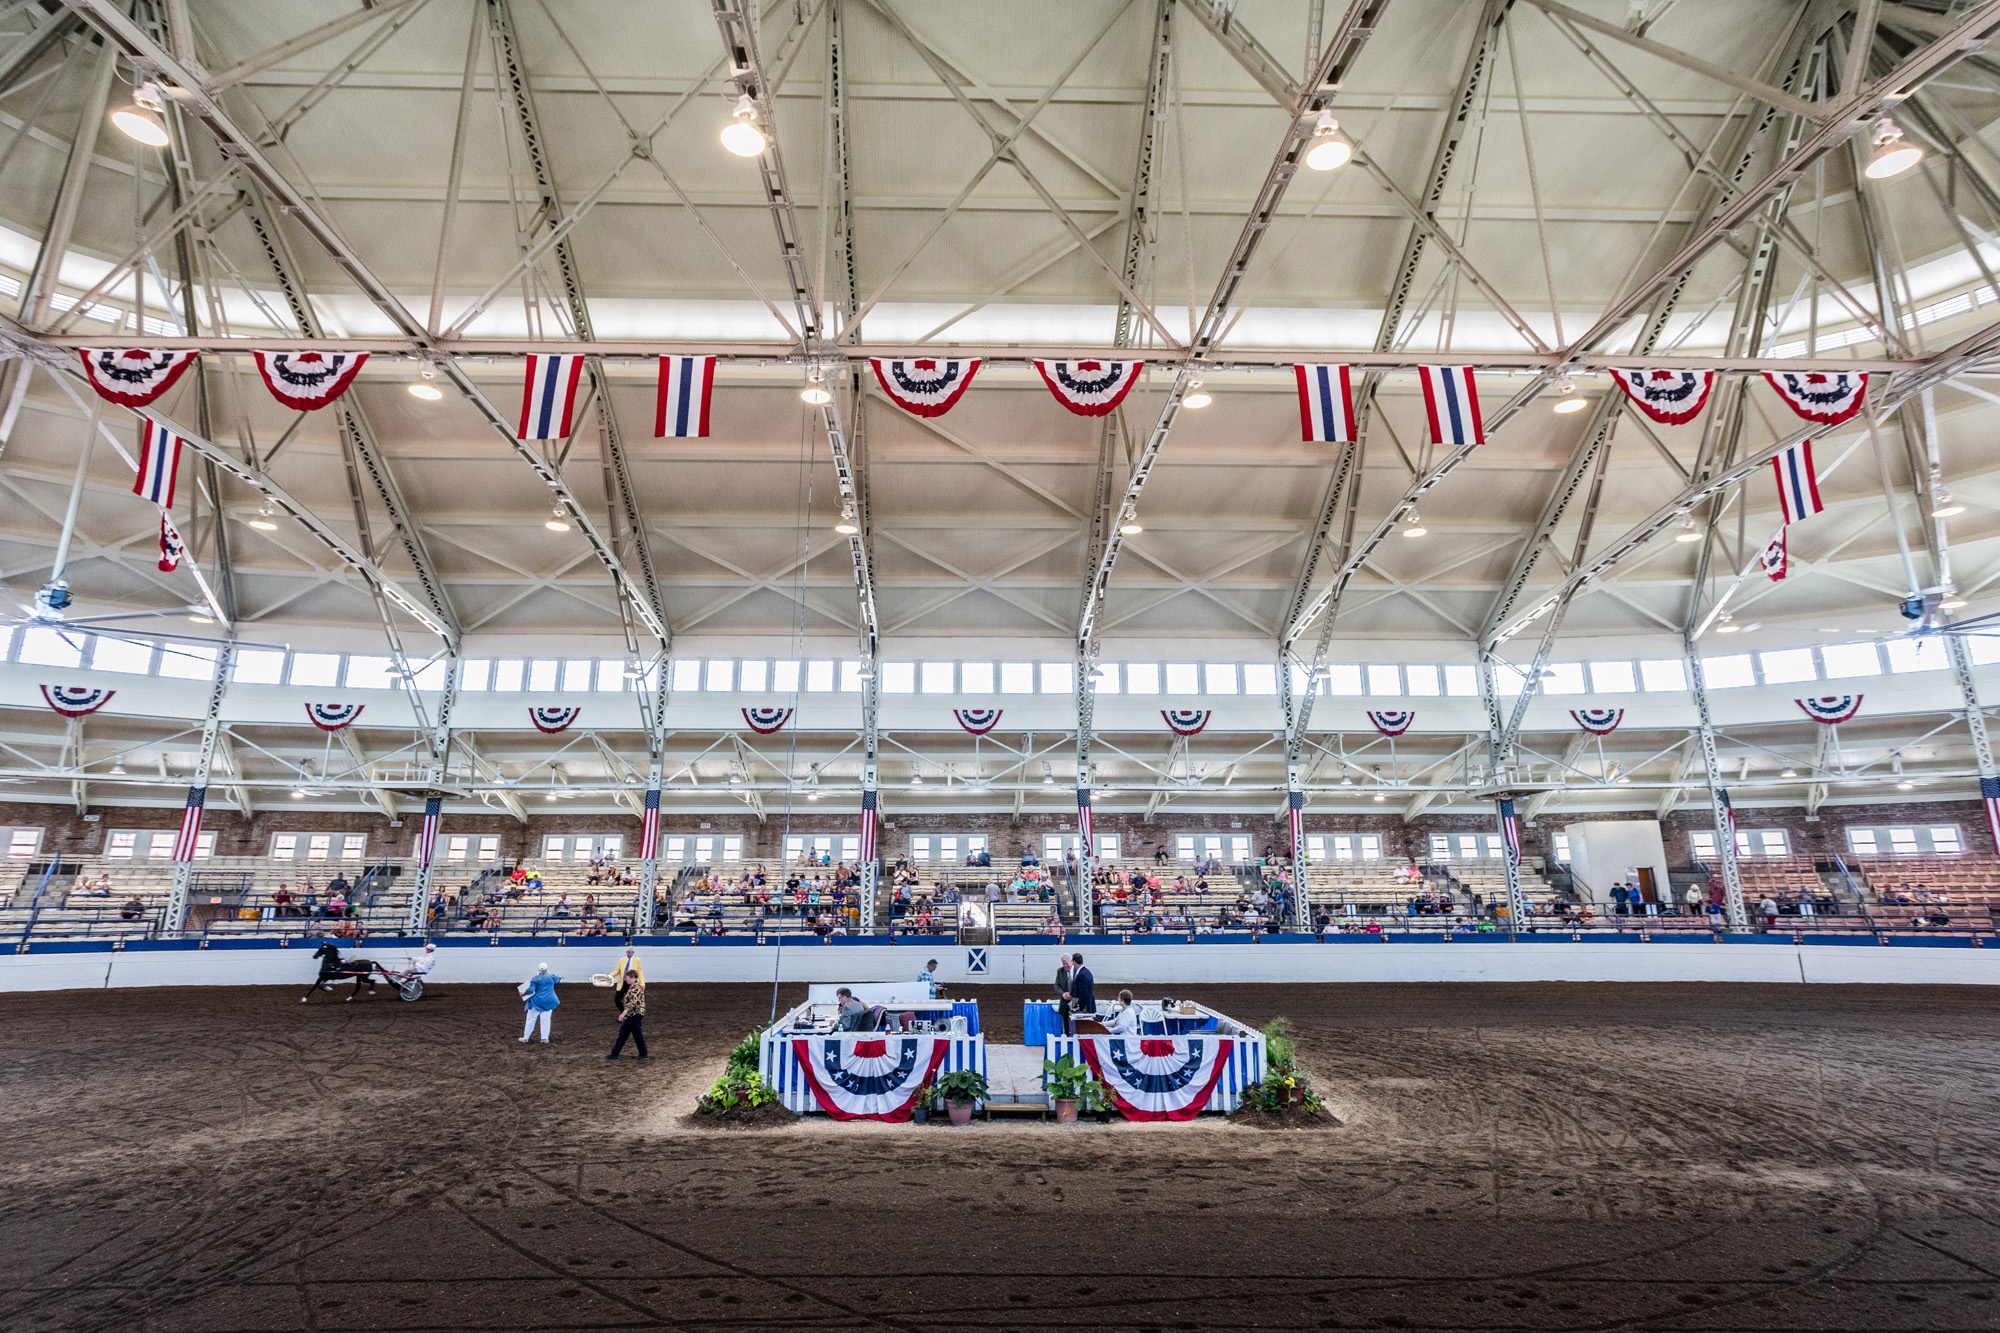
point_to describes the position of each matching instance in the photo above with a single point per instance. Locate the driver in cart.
(422, 963)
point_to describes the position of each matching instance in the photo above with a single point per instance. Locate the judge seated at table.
(854, 1015)
(1124, 1020)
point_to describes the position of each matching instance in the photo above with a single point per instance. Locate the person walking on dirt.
(539, 991)
(632, 1017)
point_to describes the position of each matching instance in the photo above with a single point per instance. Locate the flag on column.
(649, 826)
(1510, 829)
(190, 824)
(1989, 796)
(1452, 402)
(1773, 557)
(1326, 405)
(1297, 800)
(159, 463)
(868, 813)
(1085, 835)
(686, 383)
(427, 832)
(1728, 814)
(172, 548)
(548, 399)
(1798, 483)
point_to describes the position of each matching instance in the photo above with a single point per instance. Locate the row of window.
(41, 646)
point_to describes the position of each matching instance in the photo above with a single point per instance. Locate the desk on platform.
(1041, 1019)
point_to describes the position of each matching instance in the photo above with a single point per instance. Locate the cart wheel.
(411, 989)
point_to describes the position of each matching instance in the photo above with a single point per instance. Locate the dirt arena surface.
(1510, 1157)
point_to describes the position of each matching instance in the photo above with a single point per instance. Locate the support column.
(871, 813)
(197, 793)
(440, 745)
(1718, 799)
(643, 915)
(1500, 756)
(1086, 829)
(1295, 815)
(1975, 723)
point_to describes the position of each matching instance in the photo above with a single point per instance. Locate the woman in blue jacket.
(540, 993)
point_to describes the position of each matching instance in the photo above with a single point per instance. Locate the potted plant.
(1094, 1099)
(920, 1109)
(1064, 1080)
(960, 1088)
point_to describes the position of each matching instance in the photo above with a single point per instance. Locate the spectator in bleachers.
(281, 901)
(1695, 899)
(1769, 907)
(97, 888)
(134, 908)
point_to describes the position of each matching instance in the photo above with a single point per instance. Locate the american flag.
(1989, 794)
(1728, 814)
(1085, 835)
(1510, 829)
(190, 824)
(868, 811)
(427, 832)
(649, 826)
(1297, 800)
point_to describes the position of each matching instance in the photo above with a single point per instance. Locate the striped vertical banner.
(649, 827)
(778, 1062)
(1326, 405)
(1510, 829)
(1729, 811)
(427, 832)
(1085, 831)
(1296, 800)
(159, 463)
(686, 383)
(190, 834)
(1989, 796)
(1798, 482)
(1243, 1070)
(869, 807)
(1452, 402)
(548, 399)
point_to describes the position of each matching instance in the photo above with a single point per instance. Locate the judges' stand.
(871, 1075)
(1187, 1059)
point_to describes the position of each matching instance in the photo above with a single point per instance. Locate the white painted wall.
(1603, 852)
(1173, 966)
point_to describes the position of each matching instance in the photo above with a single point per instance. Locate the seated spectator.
(336, 902)
(134, 908)
(520, 873)
(100, 887)
(591, 926)
(281, 902)
(562, 905)
(610, 923)
(338, 885)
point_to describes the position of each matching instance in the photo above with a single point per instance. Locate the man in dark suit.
(1082, 988)
(1063, 1006)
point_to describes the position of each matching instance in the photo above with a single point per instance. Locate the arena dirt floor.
(1509, 1157)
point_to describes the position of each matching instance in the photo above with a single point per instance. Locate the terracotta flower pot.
(1065, 1111)
(961, 1112)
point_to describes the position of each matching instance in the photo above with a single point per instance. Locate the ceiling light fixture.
(261, 520)
(298, 795)
(1197, 397)
(1727, 626)
(1789, 773)
(1893, 156)
(141, 121)
(201, 619)
(1906, 786)
(1689, 532)
(118, 768)
(1128, 523)
(1567, 401)
(1329, 151)
(1380, 797)
(847, 526)
(916, 779)
(558, 523)
(633, 670)
(1415, 526)
(423, 388)
(815, 390)
(1952, 604)
(741, 135)
(1945, 506)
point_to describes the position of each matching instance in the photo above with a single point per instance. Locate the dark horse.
(332, 969)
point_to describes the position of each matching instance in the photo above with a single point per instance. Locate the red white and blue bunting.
(1187, 721)
(552, 720)
(1090, 388)
(875, 1078)
(1774, 557)
(764, 721)
(1158, 1078)
(1798, 482)
(978, 721)
(1452, 402)
(132, 376)
(76, 700)
(159, 463)
(1826, 396)
(1670, 397)
(1598, 721)
(686, 385)
(308, 381)
(172, 548)
(1392, 722)
(1326, 405)
(333, 717)
(925, 386)
(548, 397)
(1830, 708)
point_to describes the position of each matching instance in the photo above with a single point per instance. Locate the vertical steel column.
(211, 728)
(440, 744)
(656, 745)
(871, 811)
(1975, 720)
(1718, 799)
(1501, 760)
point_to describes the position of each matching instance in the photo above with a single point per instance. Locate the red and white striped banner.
(427, 831)
(1452, 401)
(870, 810)
(1085, 830)
(649, 826)
(1158, 1078)
(1326, 405)
(159, 463)
(1798, 482)
(875, 1078)
(190, 833)
(548, 398)
(686, 385)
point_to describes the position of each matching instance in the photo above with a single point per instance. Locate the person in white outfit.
(539, 992)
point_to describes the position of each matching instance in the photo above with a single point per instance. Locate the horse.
(333, 969)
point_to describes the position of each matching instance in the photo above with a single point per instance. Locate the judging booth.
(1187, 1059)
(871, 1075)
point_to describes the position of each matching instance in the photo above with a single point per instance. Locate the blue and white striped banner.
(159, 463)
(1326, 405)
(778, 1062)
(548, 399)
(1452, 401)
(686, 384)
(1798, 482)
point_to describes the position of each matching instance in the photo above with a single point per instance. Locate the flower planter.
(1065, 1110)
(921, 1115)
(961, 1112)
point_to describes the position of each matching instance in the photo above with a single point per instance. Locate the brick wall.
(249, 835)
